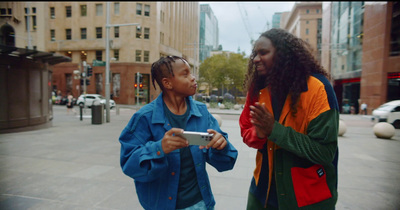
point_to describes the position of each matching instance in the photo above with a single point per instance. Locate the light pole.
(108, 26)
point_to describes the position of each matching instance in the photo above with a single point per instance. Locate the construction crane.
(266, 27)
(246, 22)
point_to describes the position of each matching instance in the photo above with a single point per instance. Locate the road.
(75, 165)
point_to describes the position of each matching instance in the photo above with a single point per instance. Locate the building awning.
(45, 57)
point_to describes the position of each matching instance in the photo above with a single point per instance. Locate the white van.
(388, 112)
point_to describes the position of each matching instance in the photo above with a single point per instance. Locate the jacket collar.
(158, 109)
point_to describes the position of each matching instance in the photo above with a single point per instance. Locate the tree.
(224, 70)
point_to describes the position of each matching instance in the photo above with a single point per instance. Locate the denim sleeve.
(222, 160)
(142, 157)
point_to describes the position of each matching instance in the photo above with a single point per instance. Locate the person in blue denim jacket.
(167, 171)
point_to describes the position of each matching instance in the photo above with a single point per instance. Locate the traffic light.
(89, 71)
(138, 80)
(87, 81)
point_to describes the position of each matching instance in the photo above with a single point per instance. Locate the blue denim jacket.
(156, 174)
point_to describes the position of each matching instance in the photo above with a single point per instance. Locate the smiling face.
(183, 83)
(264, 54)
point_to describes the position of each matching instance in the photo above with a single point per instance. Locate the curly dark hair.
(163, 69)
(293, 63)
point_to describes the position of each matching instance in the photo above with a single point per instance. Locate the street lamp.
(108, 26)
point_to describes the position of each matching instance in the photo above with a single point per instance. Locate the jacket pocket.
(310, 185)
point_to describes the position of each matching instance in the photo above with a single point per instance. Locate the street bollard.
(80, 110)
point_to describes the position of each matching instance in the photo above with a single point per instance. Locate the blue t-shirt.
(188, 190)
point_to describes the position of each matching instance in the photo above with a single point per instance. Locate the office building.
(208, 32)
(78, 30)
(361, 50)
(305, 22)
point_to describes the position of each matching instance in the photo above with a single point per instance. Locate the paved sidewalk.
(75, 165)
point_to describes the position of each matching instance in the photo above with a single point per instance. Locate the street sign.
(99, 63)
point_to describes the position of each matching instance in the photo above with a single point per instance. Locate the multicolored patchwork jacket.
(301, 152)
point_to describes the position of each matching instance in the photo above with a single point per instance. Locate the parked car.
(388, 112)
(90, 98)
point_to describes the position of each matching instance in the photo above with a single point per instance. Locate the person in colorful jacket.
(167, 171)
(291, 117)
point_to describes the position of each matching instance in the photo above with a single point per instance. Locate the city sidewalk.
(75, 165)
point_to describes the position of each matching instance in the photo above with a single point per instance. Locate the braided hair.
(163, 69)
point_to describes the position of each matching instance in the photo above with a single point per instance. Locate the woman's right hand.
(262, 119)
(171, 141)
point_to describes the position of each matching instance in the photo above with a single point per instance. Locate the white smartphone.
(197, 138)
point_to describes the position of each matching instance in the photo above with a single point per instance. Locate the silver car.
(388, 112)
(89, 99)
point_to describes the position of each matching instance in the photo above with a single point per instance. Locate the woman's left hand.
(217, 142)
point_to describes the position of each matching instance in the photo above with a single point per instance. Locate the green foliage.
(224, 69)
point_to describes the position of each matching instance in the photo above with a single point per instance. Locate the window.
(146, 33)
(33, 10)
(68, 11)
(99, 10)
(68, 82)
(99, 55)
(394, 31)
(53, 35)
(83, 56)
(116, 83)
(116, 8)
(307, 22)
(83, 10)
(116, 55)
(146, 56)
(116, 32)
(83, 33)
(4, 11)
(99, 83)
(68, 34)
(68, 54)
(161, 38)
(307, 31)
(308, 11)
(99, 33)
(138, 32)
(138, 56)
(52, 13)
(34, 22)
(317, 11)
(146, 10)
(138, 9)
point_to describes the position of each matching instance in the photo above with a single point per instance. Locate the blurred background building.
(358, 43)
(77, 30)
(276, 20)
(209, 35)
(361, 48)
(305, 21)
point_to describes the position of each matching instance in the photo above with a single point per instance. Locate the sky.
(232, 30)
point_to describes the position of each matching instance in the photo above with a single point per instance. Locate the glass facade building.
(346, 52)
(276, 20)
(208, 39)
